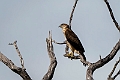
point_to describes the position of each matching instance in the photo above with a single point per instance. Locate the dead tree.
(22, 71)
(53, 61)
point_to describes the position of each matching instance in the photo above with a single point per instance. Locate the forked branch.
(21, 59)
(20, 71)
(102, 62)
(53, 61)
(109, 57)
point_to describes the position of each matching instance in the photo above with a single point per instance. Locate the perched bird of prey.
(73, 41)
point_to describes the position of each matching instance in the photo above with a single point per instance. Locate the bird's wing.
(74, 40)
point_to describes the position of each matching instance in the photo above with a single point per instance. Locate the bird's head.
(64, 26)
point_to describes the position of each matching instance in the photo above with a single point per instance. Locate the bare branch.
(71, 16)
(21, 59)
(112, 15)
(77, 57)
(114, 68)
(110, 75)
(14, 68)
(118, 73)
(102, 62)
(59, 42)
(53, 61)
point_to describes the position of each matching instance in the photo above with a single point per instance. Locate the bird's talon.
(67, 55)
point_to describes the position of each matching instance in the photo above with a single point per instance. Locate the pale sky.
(28, 22)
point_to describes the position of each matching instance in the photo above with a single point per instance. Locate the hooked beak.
(59, 26)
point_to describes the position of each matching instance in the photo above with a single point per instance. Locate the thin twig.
(59, 42)
(118, 73)
(114, 68)
(112, 15)
(110, 75)
(71, 16)
(21, 59)
(100, 57)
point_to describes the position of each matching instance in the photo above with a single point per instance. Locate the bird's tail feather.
(83, 55)
(83, 58)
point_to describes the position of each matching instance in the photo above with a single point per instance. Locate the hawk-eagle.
(73, 41)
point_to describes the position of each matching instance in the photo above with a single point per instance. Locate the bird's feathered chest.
(73, 40)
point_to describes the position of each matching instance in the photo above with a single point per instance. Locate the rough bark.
(53, 61)
(19, 54)
(20, 71)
